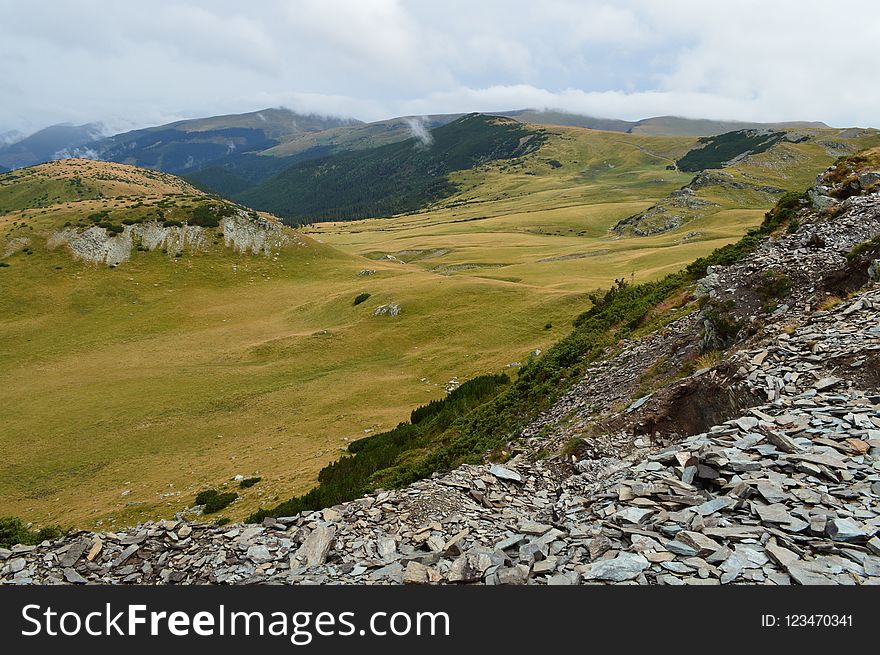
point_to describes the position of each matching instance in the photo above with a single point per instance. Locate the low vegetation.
(214, 500)
(14, 531)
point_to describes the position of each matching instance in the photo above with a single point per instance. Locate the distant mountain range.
(55, 142)
(657, 126)
(188, 146)
(306, 167)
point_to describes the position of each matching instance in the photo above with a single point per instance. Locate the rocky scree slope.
(762, 468)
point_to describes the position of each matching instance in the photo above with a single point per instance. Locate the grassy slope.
(167, 376)
(530, 223)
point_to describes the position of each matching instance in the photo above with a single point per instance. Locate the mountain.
(175, 363)
(189, 145)
(360, 137)
(49, 143)
(657, 126)
(676, 126)
(567, 119)
(394, 178)
(234, 174)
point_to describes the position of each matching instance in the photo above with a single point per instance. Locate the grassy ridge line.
(485, 413)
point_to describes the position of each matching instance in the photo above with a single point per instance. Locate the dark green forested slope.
(390, 179)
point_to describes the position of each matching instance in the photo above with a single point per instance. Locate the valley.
(131, 387)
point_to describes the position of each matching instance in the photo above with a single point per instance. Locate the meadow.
(125, 391)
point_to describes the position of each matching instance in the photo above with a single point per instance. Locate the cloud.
(134, 64)
(420, 131)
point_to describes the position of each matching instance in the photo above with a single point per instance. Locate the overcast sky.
(138, 63)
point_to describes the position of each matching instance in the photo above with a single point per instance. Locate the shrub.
(170, 223)
(722, 326)
(204, 216)
(361, 297)
(249, 482)
(773, 286)
(14, 531)
(214, 501)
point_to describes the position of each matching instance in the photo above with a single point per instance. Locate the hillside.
(361, 136)
(589, 206)
(166, 358)
(183, 347)
(123, 377)
(189, 145)
(394, 178)
(749, 168)
(717, 426)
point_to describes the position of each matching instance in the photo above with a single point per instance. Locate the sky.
(137, 63)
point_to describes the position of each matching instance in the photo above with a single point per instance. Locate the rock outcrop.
(241, 231)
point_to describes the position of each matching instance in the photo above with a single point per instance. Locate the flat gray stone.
(505, 473)
(625, 566)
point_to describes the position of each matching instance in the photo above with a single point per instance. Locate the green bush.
(13, 531)
(204, 216)
(861, 248)
(249, 482)
(361, 297)
(773, 286)
(214, 501)
(723, 326)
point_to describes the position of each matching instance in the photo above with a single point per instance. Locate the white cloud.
(146, 63)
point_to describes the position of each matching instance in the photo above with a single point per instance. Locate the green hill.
(391, 179)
